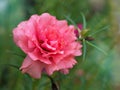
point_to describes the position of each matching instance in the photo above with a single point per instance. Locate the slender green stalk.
(84, 49)
(84, 21)
(96, 47)
(97, 31)
(69, 19)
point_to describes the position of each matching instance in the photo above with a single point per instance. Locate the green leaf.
(97, 31)
(84, 49)
(84, 21)
(14, 53)
(14, 66)
(91, 44)
(69, 19)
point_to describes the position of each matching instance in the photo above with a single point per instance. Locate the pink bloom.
(50, 45)
(80, 26)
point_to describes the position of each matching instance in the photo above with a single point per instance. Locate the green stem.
(84, 21)
(84, 49)
(96, 47)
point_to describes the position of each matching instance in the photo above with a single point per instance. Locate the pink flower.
(50, 45)
(80, 26)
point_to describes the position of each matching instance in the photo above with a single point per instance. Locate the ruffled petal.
(33, 68)
(64, 71)
(66, 63)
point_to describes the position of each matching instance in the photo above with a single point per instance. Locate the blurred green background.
(97, 72)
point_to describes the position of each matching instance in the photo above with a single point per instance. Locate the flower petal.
(33, 68)
(66, 63)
